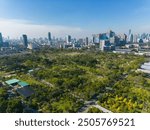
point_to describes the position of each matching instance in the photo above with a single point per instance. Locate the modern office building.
(121, 40)
(68, 39)
(93, 39)
(112, 40)
(86, 41)
(96, 38)
(25, 40)
(135, 38)
(130, 31)
(105, 45)
(130, 37)
(49, 37)
(110, 34)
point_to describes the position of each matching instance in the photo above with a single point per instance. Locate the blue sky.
(76, 17)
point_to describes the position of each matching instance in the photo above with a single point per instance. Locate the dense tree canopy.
(64, 79)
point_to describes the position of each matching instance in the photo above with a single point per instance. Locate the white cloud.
(15, 28)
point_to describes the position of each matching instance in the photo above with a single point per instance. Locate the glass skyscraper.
(25, 40)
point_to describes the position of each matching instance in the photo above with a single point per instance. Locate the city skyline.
(77, 18)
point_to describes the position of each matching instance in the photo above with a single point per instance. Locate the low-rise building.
(12, 82)
(25, 91)
(21, 87)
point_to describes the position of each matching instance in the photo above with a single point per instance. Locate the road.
(102, 108)
(92, 103)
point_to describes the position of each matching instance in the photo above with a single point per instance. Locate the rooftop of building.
(12, 81)
(25, 91)
(23, 84)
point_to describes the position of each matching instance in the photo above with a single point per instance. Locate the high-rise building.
(111, 34)
(49, 37)
(130, 31)
(130, 37)
(81, 41)
(93, 39)
(112, 40)
(105, 45)
(135, 38)
(1, 40)
(25, 40)
(68, 39)
(96, 38)
(102, 45)
(86, 41)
